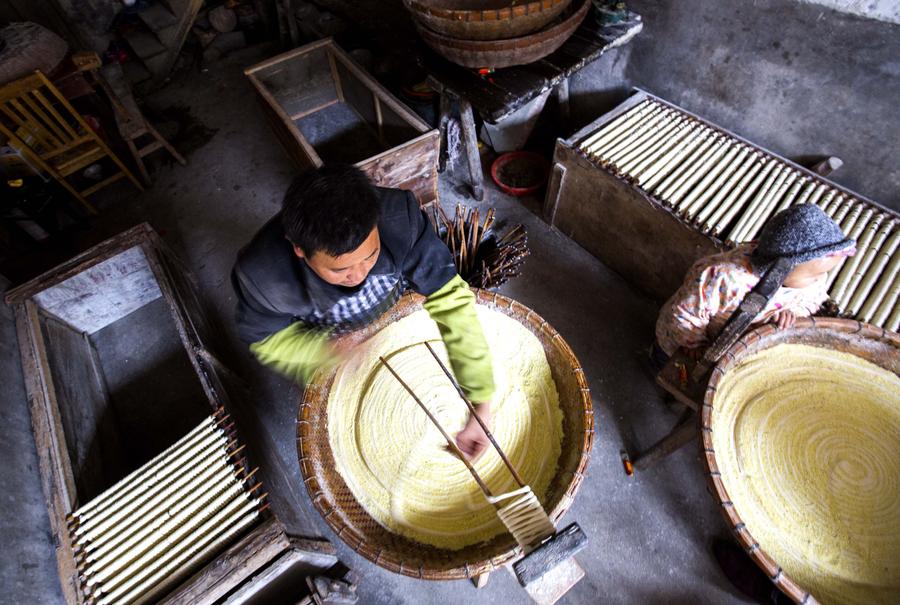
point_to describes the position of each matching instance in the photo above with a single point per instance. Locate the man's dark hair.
(332, 209)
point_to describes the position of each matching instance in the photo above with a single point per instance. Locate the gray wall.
(797, 78)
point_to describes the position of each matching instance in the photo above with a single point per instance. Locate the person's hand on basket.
(472, 440)
(784, 319)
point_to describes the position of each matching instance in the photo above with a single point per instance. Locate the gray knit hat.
(800, 233)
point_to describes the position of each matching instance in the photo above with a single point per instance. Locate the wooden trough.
(324, 107)
(346, 516)
(117, 362)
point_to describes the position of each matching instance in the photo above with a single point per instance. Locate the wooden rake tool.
(519, 510)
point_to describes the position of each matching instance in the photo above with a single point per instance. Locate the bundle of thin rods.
(727, 189)
(482, 257)
(140, 537)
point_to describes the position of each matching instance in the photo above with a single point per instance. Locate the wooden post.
(473, 158)
(446, 106)
(562, 97)
(684, 432)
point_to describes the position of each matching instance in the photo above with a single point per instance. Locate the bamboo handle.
(450, 441)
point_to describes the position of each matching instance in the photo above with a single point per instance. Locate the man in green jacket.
(338, 255)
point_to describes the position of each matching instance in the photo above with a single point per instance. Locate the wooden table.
(501, 93)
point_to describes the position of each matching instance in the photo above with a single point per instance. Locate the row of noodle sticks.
(728, 189)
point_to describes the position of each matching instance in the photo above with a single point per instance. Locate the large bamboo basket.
(879, 346)
(508, 52)
(485, 20)
(333, 499)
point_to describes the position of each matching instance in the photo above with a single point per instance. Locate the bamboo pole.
(715, 208)
(695, 200)
(888, 276)
(885, 250)
(656, 175)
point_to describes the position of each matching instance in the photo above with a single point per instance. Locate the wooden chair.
(685, 379)
(43, 125)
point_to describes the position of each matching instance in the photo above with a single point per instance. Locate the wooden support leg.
(562, 97)
(446, 107)
(684, 431)
(139, 161)
(472, 156)
(178, 157)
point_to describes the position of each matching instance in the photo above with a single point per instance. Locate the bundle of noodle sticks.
(483, 257)
(136, 540)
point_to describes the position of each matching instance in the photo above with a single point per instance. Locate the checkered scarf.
(375, 296)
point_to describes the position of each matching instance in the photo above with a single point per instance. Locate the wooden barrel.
(876, 345)
(350, 521)
(485, 20)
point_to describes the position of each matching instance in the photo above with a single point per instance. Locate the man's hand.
(472, 440)
(784, 319)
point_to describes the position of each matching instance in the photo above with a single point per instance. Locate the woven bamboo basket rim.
(505, 11)
(333, 500)
(847, 335)
(554, 33)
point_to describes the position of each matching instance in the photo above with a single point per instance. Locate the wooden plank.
(103, 293)
(288, 55)
(312, 110)
(412, 166)
(564, 544)
(335, 75)
(56, 473)
(92, 442)
(81, 262)
(599, 212)
(294, 562)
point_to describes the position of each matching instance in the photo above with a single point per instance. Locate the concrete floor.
(649, 534)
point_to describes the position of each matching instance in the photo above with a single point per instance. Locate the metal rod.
(450, 442)
(478, 419)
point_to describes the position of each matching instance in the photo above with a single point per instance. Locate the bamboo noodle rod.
(717, 206)
(670, 163)
(652, 132)
(696, 198)
(696, 171)
(825, 200)
(113, 571)
(818, 193)
(893, 322)
(189, 562)
(617, 125)
(734, 203)
(832, 207)
(774, 203)
(864, 261)
(714, 159)
(888, 305)
(884, 253)
(136, 525)
(206, 533)
(670, 144)
(157, 460)
(674, 180)
(757, 205)
(867, 231)
(791, 196)
(765, 206)
(852, 225)
(598, 150)
(841, 212)
(138, 494)
(751, 198)
(719, 151)
(884, 282)
(635, 136)
(813, 185)
(763, 176)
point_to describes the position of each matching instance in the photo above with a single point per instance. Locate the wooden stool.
(132, 124)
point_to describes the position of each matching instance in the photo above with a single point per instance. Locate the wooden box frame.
(332, 77)
(264, 542)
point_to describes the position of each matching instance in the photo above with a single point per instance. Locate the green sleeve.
(453, 309)
(295, 352)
